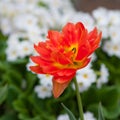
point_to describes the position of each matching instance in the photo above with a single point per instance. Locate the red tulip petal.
(54, 36)
(83, 51)
(37, 69)
(69, 34)
(85, 62)
(94, 38)
(66, 72)
(50, 69)
(40, 61)
(64, 78)
(42, 50)
(60, 58)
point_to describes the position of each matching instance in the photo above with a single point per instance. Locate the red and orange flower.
(63, 53)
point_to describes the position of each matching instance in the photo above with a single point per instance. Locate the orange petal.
(58, 88)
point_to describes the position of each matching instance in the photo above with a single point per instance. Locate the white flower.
(104, 30)
(12, 52)
(22, 2)
(59, 4)
(114, 33)
(25, 48)
(56, 16)
(112, 48)
(63, 117)
(104, 74)
(43, 91)
(25, 21)
(114, 17)
(89, 116)
(44, 18)
(93, 57)
(6, 26)
(45, 79)
(100, 16)
(85, 77)
(57, 10)
(36, 34)
(85, 18)
(7, 9)
(107, 47)
(13, 40)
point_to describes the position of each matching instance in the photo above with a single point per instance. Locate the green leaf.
(9, 116)
(24, 117)
(3, 93)
(104, 94)
(112, 113)
(100, 112)
(71, 116)
(109, 96)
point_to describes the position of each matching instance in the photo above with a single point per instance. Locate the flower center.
(85, 76)
(74, 50)
(44, 89)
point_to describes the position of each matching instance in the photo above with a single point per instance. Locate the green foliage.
(71, 116)
(108, 96)
(3, 93)
(100, 112)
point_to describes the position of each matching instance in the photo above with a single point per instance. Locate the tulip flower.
(64, 52)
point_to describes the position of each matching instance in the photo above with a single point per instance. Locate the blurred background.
(89, 5)
(27, 96)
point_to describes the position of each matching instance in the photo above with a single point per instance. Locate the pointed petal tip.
(58, 88)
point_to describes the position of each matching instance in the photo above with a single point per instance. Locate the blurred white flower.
(6, 26)
(25, 48)
(59, 4)
(85, 18)
(114, 17)
(104, 74)
(104, 30)
(13, 39)
(100, 16)
(114, 33)
(7, 9)
(85, 77)
(57, 9)
(89, 116)
(44, 17)
(25, 22)
(63, 117)
(112, 48)
(45, 79)
(24, 1)
(56, 18)
(43, 91)
(93, 57)
(36, 34)
(12, 52)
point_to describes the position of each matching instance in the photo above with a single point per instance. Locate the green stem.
(79, 100)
